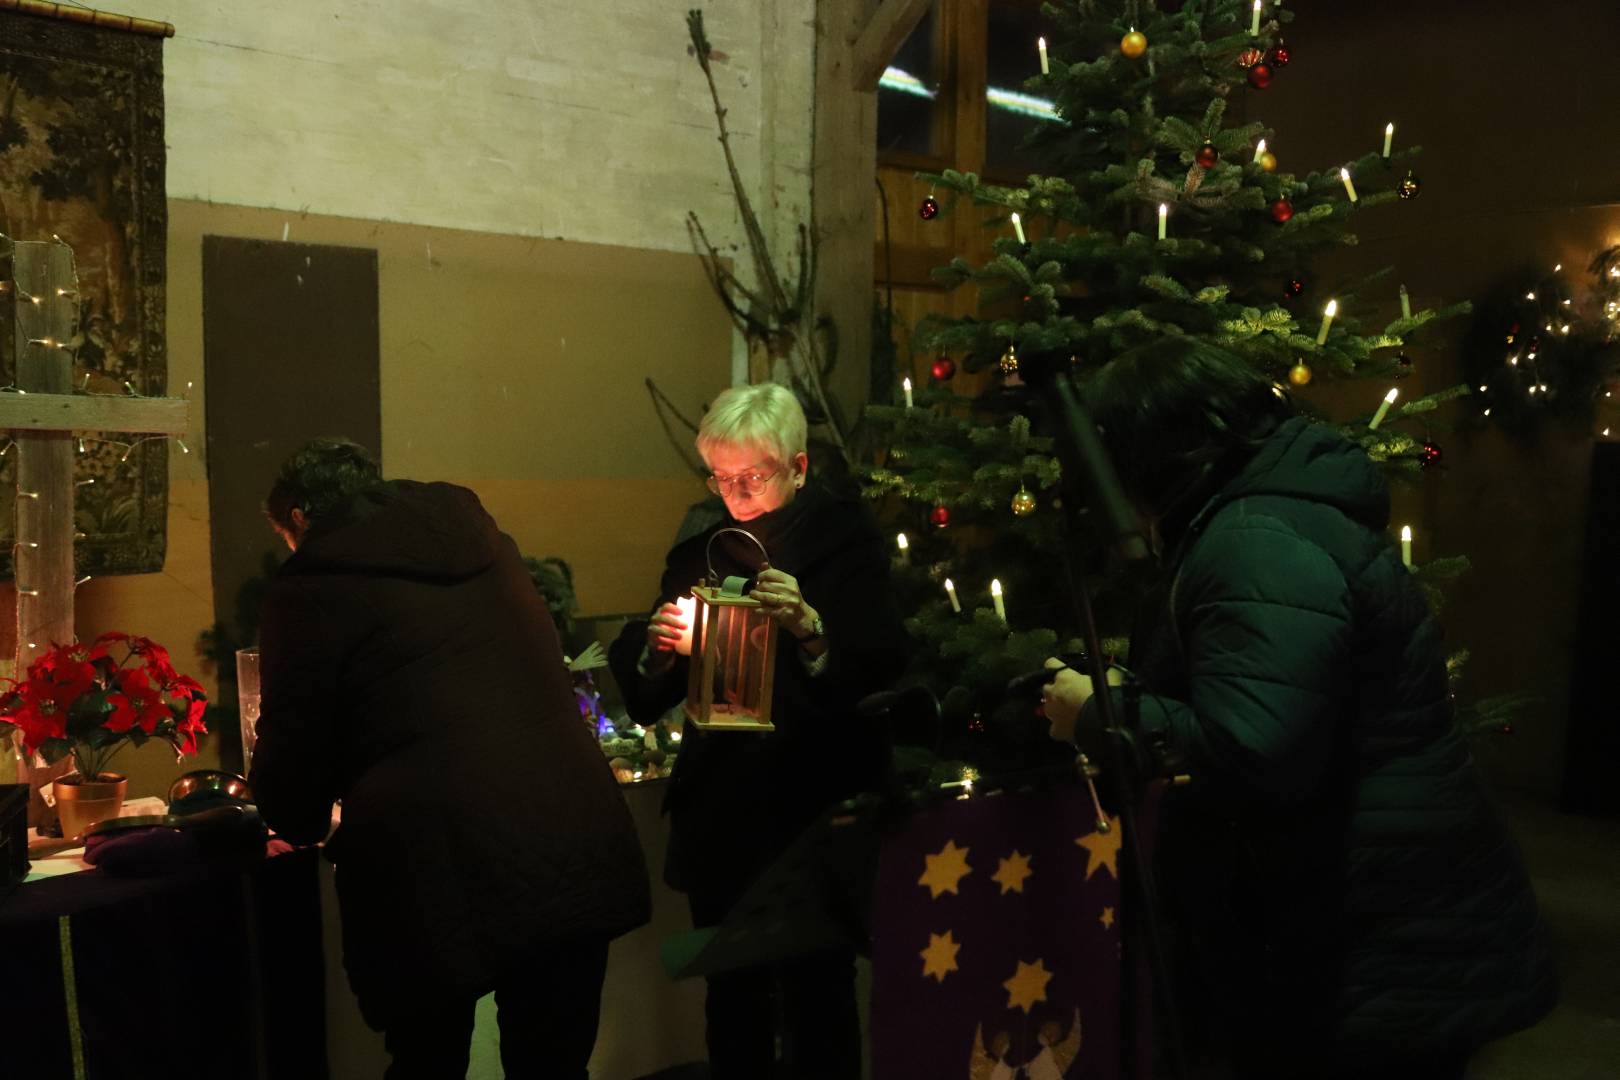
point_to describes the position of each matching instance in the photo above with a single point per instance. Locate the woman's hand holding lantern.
(778, 594)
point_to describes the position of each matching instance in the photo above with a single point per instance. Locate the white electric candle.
(1328, 312)
(1349, 185)
(1018, 227)
(905, 547)
(1254, 23)
(905, 388)
(1260, 150)
(995, 598)
(1406, 304)
(950, 591)
(1406, 546)
(688, 606)
(1389, 138)
(1046, 68)
(1164, 214)
(1383, 409)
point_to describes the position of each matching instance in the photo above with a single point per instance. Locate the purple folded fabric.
(143, 852)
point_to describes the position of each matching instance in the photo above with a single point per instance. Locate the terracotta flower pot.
(82, 803)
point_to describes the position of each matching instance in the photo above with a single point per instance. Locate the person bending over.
(411, 671)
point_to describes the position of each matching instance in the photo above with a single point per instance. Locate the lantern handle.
(708, 552)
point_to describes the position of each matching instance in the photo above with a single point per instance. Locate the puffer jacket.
(1339, 885)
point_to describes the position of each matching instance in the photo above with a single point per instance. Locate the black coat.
(411, 670)
(1335, 871)
(738, 798)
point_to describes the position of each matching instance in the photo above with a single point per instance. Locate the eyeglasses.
(751, 483)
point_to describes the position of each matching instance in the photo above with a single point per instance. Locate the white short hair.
(766, 416)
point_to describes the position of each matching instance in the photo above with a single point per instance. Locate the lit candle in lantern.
(1254, 23)
(1389, 138)
(1406, 304)
(1164, 214)
(995, 598)
(1349, 185)
(905, 547)
(950, 591)
(1383, 409)
(1260, 150)
(1040, 44)
(688, 606)
(1406, 546)
(905, 388)
(1018, 226)
(1328, 312)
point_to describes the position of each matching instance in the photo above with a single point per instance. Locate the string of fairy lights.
(15, 293)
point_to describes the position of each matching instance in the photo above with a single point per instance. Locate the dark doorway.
(290, 354)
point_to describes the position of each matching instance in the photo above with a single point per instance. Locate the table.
(215, 970)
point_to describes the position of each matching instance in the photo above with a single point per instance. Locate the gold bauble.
(1133, 44)
(1267, 161)
(1299, 374)
(1009, 361)
(1023, 503)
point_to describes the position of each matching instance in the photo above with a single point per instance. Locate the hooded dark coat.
(411, 671)
(1336, 875)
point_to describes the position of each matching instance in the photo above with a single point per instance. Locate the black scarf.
(788, 534)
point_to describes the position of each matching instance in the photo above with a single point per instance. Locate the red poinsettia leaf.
(195, 711)
(124, 713)
(185, 684)
(153, 712)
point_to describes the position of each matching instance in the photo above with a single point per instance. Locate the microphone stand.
(1082, 455)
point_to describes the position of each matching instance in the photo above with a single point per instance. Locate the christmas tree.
(1158, 215)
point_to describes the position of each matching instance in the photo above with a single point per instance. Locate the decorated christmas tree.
(1157, 215)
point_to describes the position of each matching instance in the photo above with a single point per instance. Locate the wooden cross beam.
(41, 417)
(880, 39)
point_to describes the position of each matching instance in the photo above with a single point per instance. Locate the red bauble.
(929, 209)
(1294, 288)
(1279, 56)
(1207, 156)
(943, 369)
(1281, 211)
(1430, 454)
(939, 516)
(1260, 75)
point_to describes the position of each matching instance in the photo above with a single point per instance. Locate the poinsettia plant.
(90, 700)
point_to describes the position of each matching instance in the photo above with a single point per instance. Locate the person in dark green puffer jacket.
(1341, 895)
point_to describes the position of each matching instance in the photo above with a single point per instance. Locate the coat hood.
(402, 528)
(1310, 461)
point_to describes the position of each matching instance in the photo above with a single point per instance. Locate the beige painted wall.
(512, 365)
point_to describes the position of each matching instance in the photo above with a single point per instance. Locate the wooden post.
(47, 305)
(40, 418)
(855, 40)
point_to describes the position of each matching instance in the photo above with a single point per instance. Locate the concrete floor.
(1575, 864)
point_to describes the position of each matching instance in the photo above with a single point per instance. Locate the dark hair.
(1174, 411)
(318, 478)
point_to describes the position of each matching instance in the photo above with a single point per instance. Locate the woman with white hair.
(738, 799)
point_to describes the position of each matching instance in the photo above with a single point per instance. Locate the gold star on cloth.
(1107, 918)
(1027, 987)
(1102, 849)
(945, 871)
(939, 959)
(1011, 873)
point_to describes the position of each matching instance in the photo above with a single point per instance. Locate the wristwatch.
(817, 629)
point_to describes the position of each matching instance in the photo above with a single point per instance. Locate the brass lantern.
(733, 656)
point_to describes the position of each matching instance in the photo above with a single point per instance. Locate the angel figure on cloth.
(991, 1064)
(1053, 1062)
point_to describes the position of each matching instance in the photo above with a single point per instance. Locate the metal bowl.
(201, 784)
